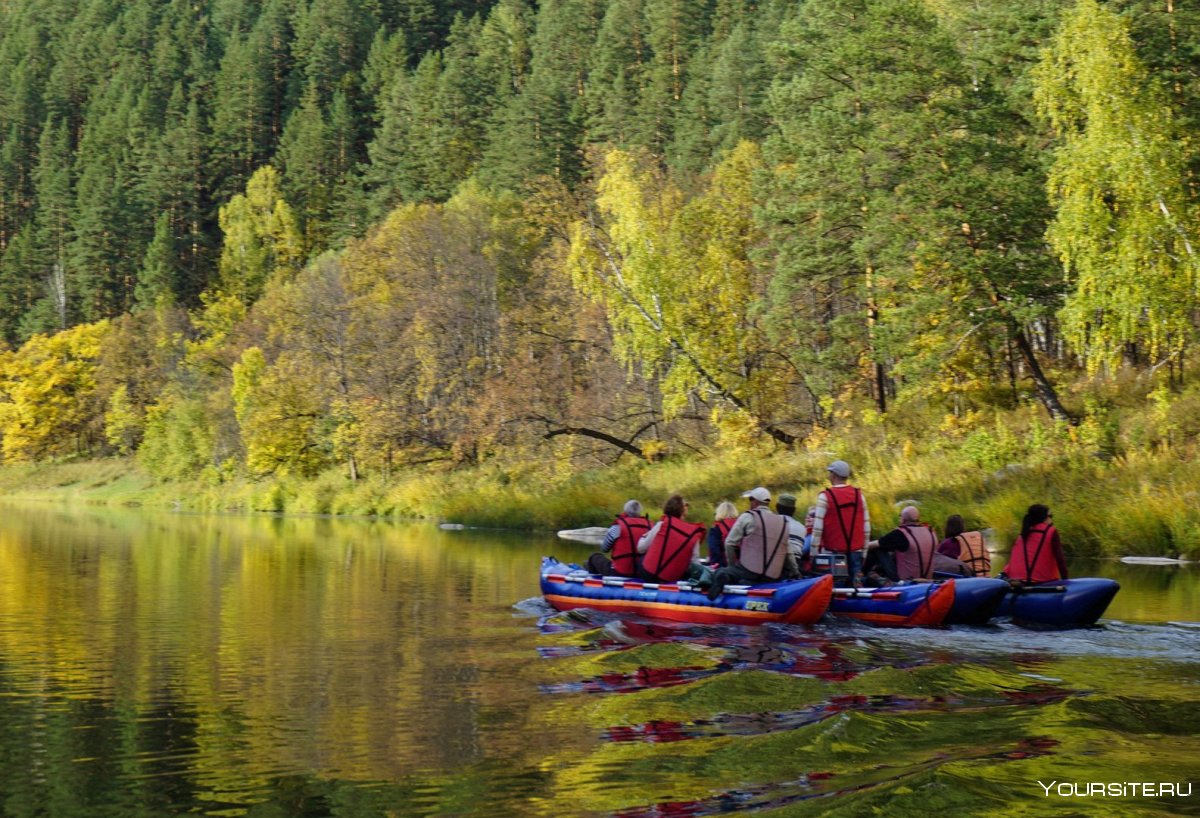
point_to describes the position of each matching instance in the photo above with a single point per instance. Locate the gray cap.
(633, 508)
(839, 467)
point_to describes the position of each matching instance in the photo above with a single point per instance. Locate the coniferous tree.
(877, 139)
(157, 280)
(618, 75)
(541, 130)
(675, 30)
(243, 113)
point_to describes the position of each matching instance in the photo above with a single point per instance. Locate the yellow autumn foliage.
(48, 388)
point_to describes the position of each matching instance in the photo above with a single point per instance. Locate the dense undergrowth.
(1124, 480)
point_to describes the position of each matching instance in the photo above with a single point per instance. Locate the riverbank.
(1135, 504)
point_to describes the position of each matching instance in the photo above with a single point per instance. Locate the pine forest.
(243, 239)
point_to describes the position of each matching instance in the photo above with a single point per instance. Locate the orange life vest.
(843, 531)
(624, 550)
(974, 553)
(668, 557)
(917, 561)
(763, 550)
(1034, 561)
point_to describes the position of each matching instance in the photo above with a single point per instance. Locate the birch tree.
(1123, 223)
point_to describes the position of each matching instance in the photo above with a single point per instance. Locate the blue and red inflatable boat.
(962, 601)
(897, 606)
(800, 602)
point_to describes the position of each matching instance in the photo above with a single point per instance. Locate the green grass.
(1125, 481)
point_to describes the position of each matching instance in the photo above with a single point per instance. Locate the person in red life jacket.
(621, 541)
(756, 546)
(1037, 555)
(670, 550)
(841, 524)
(905, 552)
(724, 518)
(966, 547)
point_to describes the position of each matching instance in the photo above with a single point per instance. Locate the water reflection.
(209, 661)
(158, 664)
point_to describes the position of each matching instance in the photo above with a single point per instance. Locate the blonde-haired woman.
(724, 517)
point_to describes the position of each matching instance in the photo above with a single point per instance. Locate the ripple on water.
(702, 720)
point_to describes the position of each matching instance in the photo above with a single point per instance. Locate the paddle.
(1039, 589)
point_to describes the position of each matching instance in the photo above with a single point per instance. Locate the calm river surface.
(157, 664)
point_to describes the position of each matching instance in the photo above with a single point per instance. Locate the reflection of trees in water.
(350, 650)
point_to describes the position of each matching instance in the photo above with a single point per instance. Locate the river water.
(161, 664)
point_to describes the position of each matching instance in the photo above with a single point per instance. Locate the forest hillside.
(296, 248)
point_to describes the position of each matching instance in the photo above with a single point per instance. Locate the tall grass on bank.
(1124, 480)
(1138, 503)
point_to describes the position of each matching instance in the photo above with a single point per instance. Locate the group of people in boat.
(764, 545)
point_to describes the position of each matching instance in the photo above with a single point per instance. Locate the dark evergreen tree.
(172, 182)
(618, 74)
(158, 279)
(541, 130)
(307, 155)
(244, 109)
(898, 209)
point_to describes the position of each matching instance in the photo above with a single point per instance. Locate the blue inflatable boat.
(1067, 603)
(801, 602)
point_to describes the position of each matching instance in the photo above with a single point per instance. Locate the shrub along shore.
(1143, 501)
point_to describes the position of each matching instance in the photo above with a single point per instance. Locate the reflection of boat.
(801, 602)
(925, 603)
(1065, 603)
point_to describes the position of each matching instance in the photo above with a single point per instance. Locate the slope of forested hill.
(282, 237)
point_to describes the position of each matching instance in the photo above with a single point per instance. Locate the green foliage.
(262, 238)
(178, 441)
(122, 422)
(1124, 216)
(278, 417)
(340, 243)
(677, 282)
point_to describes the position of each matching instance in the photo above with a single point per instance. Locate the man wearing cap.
(842, 524)
(756, 547)
(785, 506)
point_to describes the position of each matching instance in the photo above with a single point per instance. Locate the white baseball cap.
(760, 494)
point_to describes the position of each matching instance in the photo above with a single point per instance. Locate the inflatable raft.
(801, 602)
(976, 600)
(1068, 603)
(897, 606)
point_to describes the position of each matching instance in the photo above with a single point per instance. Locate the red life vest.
(624, 550)
(669, 555)
(974, 553)
(844, 511)
(724, 527)
(1034, 561)
(917, 561)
